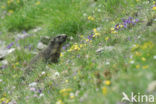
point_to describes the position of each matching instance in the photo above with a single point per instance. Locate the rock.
(4, 62)
(99, 50)
(5, 52)
(109, 48)
(12, 102)
(106, 48)
(37, 29)
(152, 86)
(41, 46)
(32, 84)
(45, 40)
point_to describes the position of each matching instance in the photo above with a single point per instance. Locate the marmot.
(50, 54)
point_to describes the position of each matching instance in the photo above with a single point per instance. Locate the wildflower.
(43, 73)
(137, 66)
(33, 89)
(104, 90)
(65, 90)
(154, 57)
(114, 32)
(145, 67)
(97, 34)
(72, 95)
(3, 7)
(107, 63)
(38, 3)
(94, 30)
(61, 54)
(10, 11)
(121, 26)
(18, 1)
(66, 81)
(74, 77)
(137, 53)
(4, 100)
(81, 36)
(132, 62)
(57, 74)
(107, 38)
(112, 29)
(107, 82)
(91, 18)
(143, 59)
(154, 8)
(41, 94)
(135, 46)
(1, 80)
(59, 102)
(32, 84)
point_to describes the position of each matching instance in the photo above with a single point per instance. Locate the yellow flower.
(154, 8)
(72, 96)
(107, 82)
(65, 90)
(81, 36)
(4, 100)
(145, 67)
(94, 30)
(97, 34)
(17, 63)
(137, 53)
(153, 2)
(38, 3)
(74, 77)
(91, 18)
(106, 38)
(18, 1)
(104, 90)
(59, 102)
(143, 59)
(66, 81)
(137, 66)
(121, 26)
(10, 11)
(61, 54)
(112, 29)
(114, 32)
(87, 40)
(135, 46)
(3, 7)
(137, 0)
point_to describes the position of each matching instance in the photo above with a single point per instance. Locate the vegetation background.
(110, 50)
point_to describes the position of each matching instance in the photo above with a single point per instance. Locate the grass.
(82, 74)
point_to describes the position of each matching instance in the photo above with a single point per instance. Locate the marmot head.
(60, 39)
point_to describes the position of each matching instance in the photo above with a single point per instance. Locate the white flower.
(107, 63)
(41, 94)
(154, 57)
(1, 80)
(32, 89)
(43, 73)
(32, 84)
(132, 62)
(57, 74)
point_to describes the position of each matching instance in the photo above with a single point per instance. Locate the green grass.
(81, 72)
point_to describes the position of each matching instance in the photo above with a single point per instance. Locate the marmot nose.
(64, 35)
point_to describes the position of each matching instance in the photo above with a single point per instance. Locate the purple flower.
(3, 67)
(10, 45)
(39, 91)
(136, 20)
